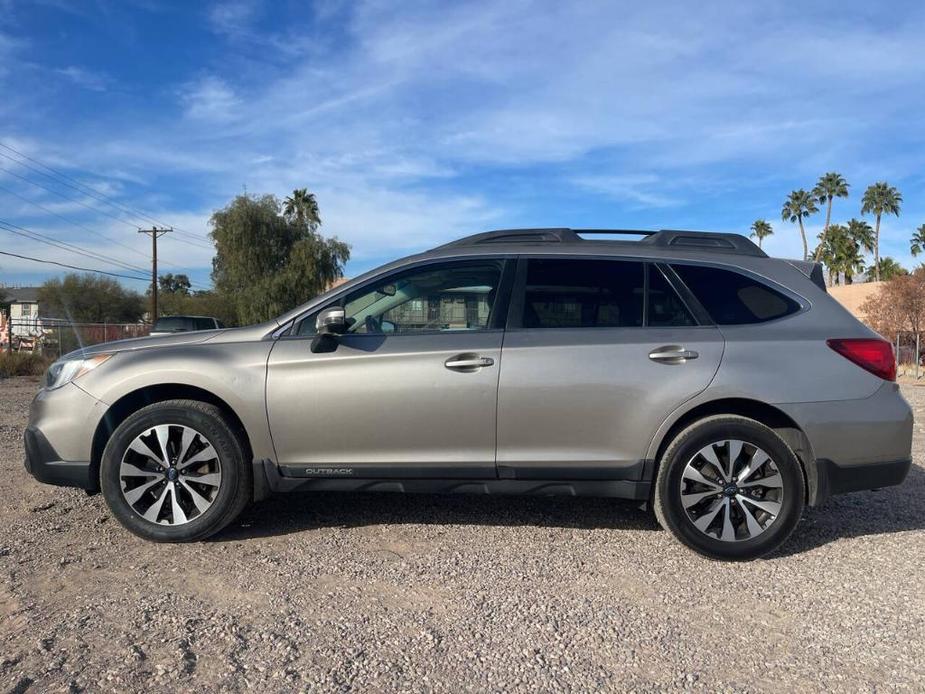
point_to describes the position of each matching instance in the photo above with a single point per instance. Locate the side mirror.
(332, 320)
(329, 324)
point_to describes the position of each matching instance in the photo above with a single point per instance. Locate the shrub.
(22, 364)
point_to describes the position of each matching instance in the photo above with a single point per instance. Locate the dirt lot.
(391, 593)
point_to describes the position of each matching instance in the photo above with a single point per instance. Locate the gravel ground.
(421, 593)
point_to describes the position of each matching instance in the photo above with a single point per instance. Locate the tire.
(204, 484)
(738, 523)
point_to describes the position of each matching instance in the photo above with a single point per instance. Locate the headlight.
(64, 371)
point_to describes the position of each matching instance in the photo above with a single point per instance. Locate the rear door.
(597, 353)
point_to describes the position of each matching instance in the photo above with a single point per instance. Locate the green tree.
(918, 242)
(761, 229)
(799, 205)
(888, 269)
(302, 208)
(861, 231)
(841, 254)
(829, 186)
(173, 284)
(266, 262)
(86, 298)
(879, 199)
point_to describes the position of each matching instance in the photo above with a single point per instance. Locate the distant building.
(24, 310)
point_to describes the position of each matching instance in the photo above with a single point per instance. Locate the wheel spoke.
(141, 448)
(178, 515)
(694, 475)
(704, 521)
(772, 507)
(155, 509)
(188, 436)
(207, 453)
(729, 532)
(754, 527)
(201, 502)
(709, 454)
(733, 448)
(689, 500)
(774, 481)
(129, 470)
(759, 458)
(210, 478)
(133, 495)
(163, 435)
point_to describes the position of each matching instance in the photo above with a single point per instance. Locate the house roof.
(21, 294)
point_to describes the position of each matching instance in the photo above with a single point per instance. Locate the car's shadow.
(890, 510)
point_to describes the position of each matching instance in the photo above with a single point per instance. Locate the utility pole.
(154, 232)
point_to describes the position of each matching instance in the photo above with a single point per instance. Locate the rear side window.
(204, 324)
(665, 308)
(734, 299)
(583, 294)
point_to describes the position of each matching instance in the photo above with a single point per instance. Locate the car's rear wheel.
(729, 488)
(175, 471)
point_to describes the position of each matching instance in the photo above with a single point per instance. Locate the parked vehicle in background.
(686, 370)
(167, 325)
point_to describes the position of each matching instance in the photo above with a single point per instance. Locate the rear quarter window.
(732, 298)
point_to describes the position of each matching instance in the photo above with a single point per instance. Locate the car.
(685, 371)
(168, 325)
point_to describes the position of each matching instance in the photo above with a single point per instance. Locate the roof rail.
(664, 238)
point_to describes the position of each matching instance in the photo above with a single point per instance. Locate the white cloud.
(87, 79)
(210, 99)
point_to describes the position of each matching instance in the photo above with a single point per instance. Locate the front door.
(597, 354)
(411, 390)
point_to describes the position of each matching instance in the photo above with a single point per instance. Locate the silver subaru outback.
(683, 370)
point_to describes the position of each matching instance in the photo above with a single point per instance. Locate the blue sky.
(417, 122)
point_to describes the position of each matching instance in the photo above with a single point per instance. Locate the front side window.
(442, 297)
(732, 298)
(565, 293)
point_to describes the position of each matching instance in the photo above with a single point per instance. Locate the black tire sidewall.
(668, 487)
(208, 421)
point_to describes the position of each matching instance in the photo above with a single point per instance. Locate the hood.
(134, 343)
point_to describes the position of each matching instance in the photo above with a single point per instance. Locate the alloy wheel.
(170, 474)
(731, 490)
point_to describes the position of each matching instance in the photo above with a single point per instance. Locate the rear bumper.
(832, 478)
(44, 463)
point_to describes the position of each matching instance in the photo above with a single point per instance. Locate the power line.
(58, 176)
(78, 224)
(48, 240)
(74, 267)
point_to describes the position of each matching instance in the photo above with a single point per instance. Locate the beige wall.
(852, 296)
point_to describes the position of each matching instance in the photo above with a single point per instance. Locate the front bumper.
(59, 437)
(44, 463)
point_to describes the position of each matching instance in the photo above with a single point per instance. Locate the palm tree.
(302, 208)
(761, 230)
(798, 206)
(861, 232)
(879, 199)
(918, 240)
(889, 269)
(829, 186)
(841, 253)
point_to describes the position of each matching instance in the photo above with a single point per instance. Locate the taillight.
(874, 355)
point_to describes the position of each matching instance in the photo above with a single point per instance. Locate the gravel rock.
(452, 594)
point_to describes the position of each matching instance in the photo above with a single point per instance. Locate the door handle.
(672, 354)
(468, 362)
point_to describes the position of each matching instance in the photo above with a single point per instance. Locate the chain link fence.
(909, 354)
(54, 337)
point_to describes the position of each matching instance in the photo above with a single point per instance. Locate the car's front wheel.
(729, 488)
(175, 471)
